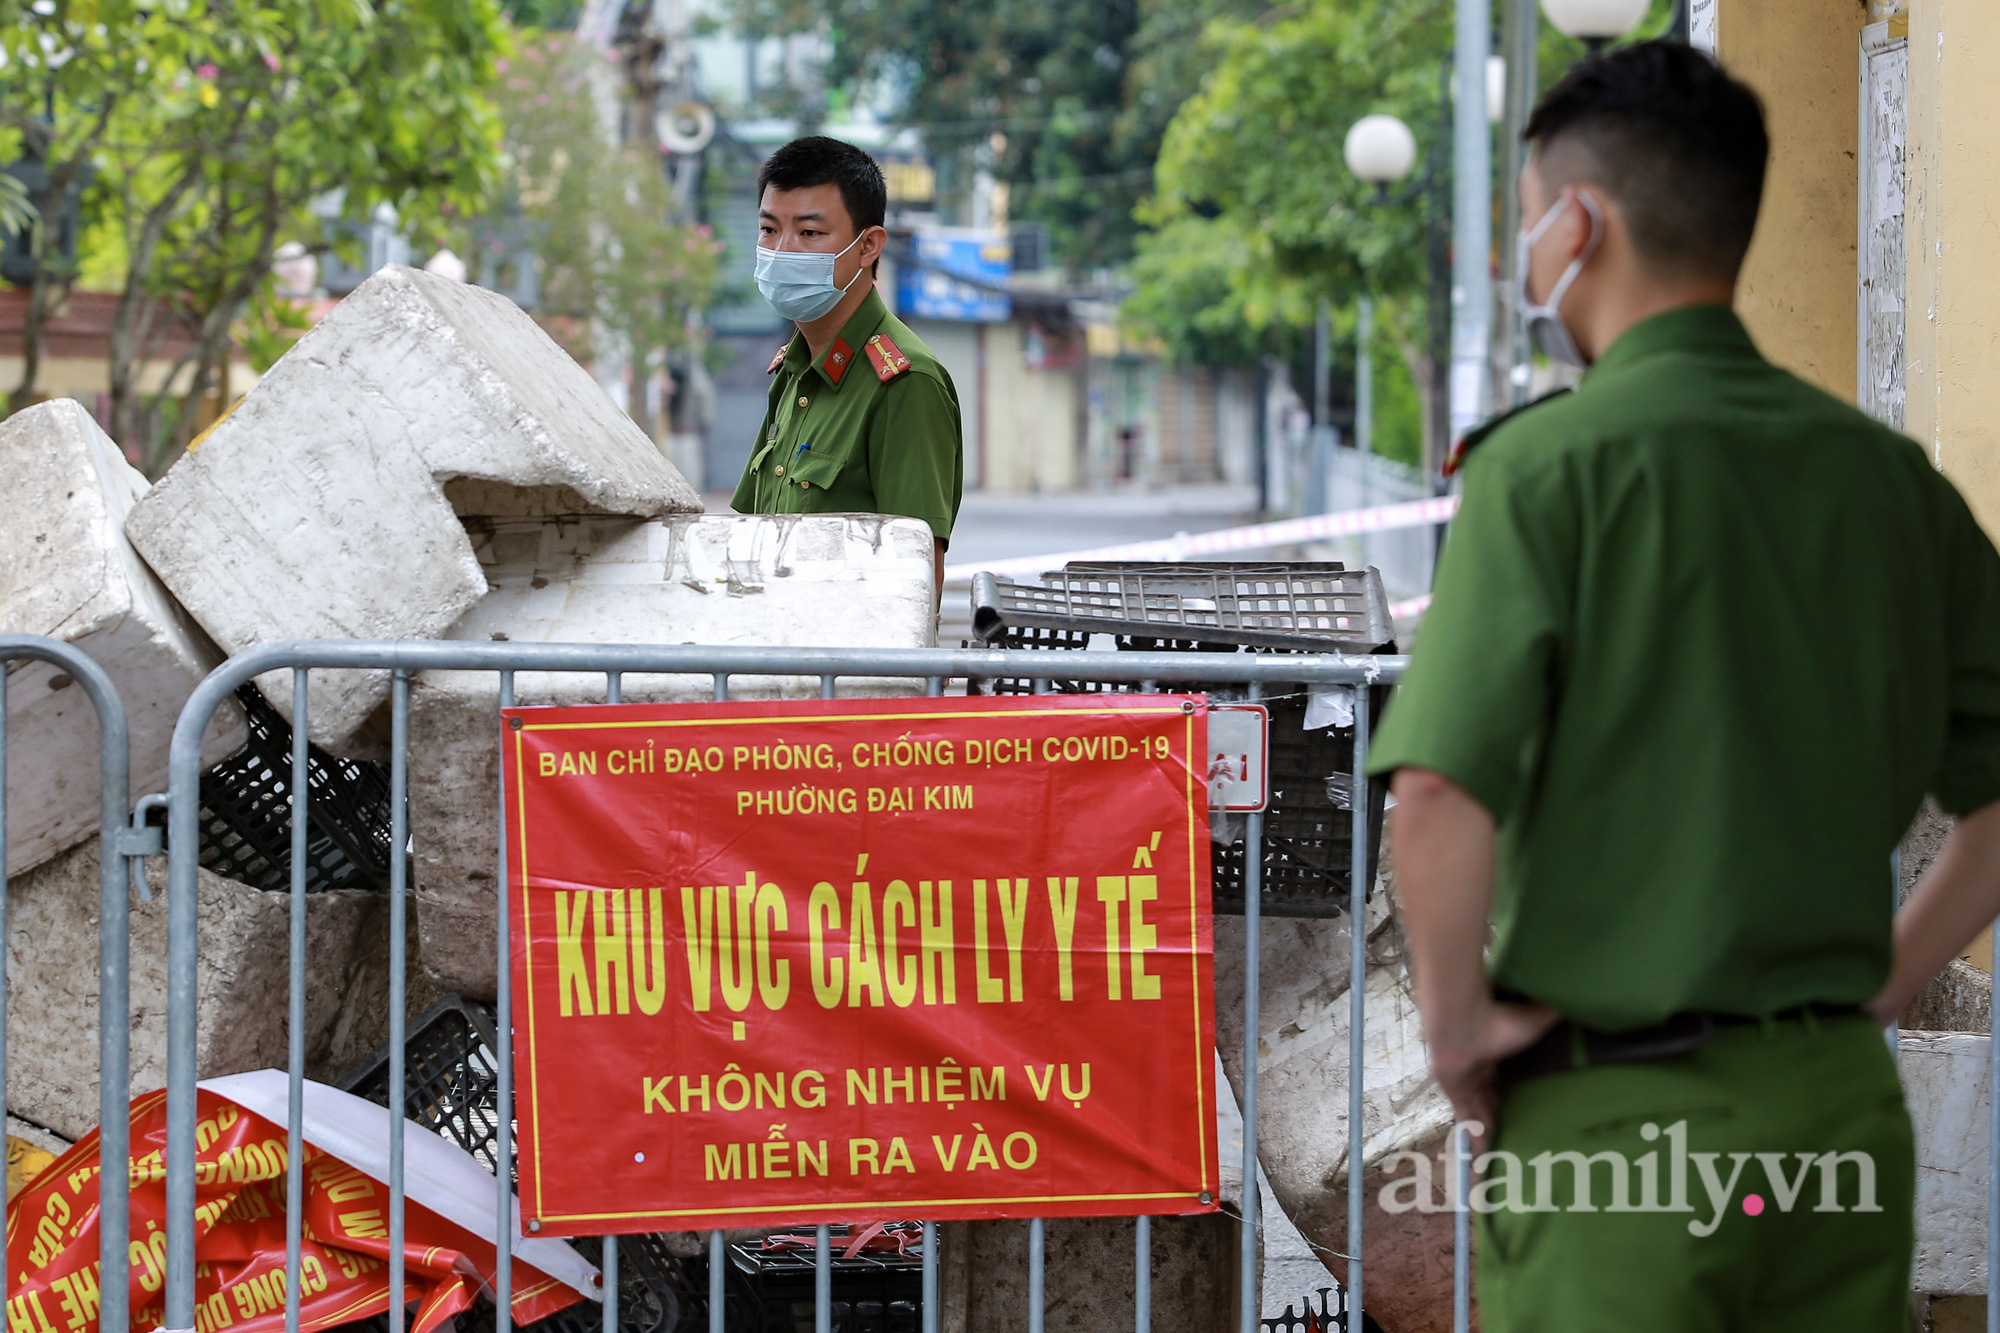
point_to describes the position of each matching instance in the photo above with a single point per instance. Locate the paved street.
(996, 526)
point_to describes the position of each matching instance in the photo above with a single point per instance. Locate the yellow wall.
(1952, 240)
(1797, 292)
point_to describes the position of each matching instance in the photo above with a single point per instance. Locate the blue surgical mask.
(799, 283)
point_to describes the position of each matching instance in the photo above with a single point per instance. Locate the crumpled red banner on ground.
(52, 1243)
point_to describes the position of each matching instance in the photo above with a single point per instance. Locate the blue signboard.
(936, 286)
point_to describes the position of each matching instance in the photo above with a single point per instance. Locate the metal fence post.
(1253, 903)
(610, 1280)
(717, 1297)
(114, 1012)
(399, 842)
(930, 1287)
(1357, 990)
(1142, 1276)
(822, 1279)
(1037, 1275)
(503, 1059)
(295, 1056)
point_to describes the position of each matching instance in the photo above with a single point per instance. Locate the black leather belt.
(1567, 1046)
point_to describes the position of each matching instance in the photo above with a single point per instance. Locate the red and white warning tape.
(1195, 545)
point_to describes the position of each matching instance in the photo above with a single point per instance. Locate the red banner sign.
(239, 1278)
(829, 960)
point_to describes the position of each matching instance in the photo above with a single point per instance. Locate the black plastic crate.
(246, 811)
(451, 1077)
(1330, 1317)
(451, 1085)
(875, 1291)
(1225, 608)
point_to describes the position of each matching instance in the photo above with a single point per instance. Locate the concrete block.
(1958, 999)
(1302, 1098)
(328, 504)
(1945, 1087)
(66, 571)
(860, 581)
(241, 986)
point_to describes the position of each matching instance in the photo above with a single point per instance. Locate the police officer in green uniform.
(1703, 637)
(862, 418)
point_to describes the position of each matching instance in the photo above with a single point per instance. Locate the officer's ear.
(873, 241)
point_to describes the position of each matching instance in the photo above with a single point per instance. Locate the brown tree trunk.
(49, 292)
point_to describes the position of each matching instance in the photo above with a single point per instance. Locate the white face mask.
(799, 283)
(1544, 322)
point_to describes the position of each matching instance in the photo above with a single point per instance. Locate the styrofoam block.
(66, 571)
(328, 504)
(52, 1011)
(829, 580)
(1945, 1086)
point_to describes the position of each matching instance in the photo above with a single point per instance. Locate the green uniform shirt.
(1702, 638)
(838, 439)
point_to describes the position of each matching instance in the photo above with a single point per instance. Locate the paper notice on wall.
(1701, 25)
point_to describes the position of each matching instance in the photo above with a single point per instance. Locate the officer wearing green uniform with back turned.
(1702, 638)
(862, 418)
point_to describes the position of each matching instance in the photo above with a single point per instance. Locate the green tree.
(277, 104)
(1064, 100)
(72, 73)
(613, 263)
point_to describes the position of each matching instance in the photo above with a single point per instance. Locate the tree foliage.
(208, 127)
(1065, 100)
(612, 260)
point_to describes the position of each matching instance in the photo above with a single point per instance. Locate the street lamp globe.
(1380, 149)
(1595, 21)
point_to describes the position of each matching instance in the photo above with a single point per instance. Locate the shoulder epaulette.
(777, 360)
(886, 357)
(1471, 440)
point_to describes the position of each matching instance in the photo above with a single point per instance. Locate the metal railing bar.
(5, 1282)
(717, 1311)
(114, 904)
(295, 1002)
(930, 1279)
(610, 1284)
(721, 687)
(933, 686)
(1357, 991)
(1461, 1230)
(1142, 1277)
(1037, 1275)
(1253, 904)
(399, 842)
(614, 687)
(736, 660)
(1993, 1155)
(823, 1279)
(826, 684)
(503, 1060)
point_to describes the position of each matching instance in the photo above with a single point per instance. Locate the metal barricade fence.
(933, 667)
(116, 842)
(121, 845)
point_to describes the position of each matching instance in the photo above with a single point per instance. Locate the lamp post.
(1381, 150)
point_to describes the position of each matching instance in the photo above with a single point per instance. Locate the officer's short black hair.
(1673, 139)
(818, 160)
